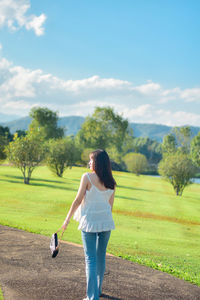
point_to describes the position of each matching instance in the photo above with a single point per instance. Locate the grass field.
(153, 226)
(1, 294)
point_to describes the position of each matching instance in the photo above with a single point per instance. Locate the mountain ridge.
(72, 124)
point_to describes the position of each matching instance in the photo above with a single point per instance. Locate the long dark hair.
(102, 168)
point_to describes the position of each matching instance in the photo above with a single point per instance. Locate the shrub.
(135, 162)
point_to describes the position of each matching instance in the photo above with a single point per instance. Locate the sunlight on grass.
(1, 294)
(154, 227)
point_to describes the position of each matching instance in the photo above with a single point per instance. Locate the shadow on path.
(109, 297)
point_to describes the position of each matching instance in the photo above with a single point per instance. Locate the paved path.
(28, 272)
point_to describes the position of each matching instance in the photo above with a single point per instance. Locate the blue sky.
(140, 57)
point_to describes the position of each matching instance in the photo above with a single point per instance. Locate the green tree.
(26, 153)
(178, 140)
(135, 163)
(21, 132)
(115, 156)
(61, 154)
(128, 143)
(104, 129)
(183, 138)
(85, 155)
(5, 137)
(169, 144)
(195, 149)
(5, 131)
(150, 148)
(45, 121)
(178, 169)
(3, 143)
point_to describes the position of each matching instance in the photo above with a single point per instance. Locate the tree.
(128, 143)
(104, 129)
(169, 144)
(195, 149)
(115, 156)
(150, 148)
(26, 153)
(5, 131)
(183, 137)
(61, 154)
(3, 143)
(21, 132)
(45, 121)
(178, 140)
(85, 155)
(5, 137)
(135, 162)
(178, 169)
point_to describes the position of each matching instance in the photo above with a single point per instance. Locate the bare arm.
(111, 200)
(77, 201)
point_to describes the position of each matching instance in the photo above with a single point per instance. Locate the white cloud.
(36, 23)
(141, 112)
(21, 89)
(188, 95)
(151, 114)
(176, 118)
(148, 88)
(4, 64)
(13, 15)
(191, 95)
(19, 82)
(92, 84)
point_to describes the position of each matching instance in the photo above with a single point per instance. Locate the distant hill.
(153, 131)
(7, 118)
(72, 124)
(18, 124)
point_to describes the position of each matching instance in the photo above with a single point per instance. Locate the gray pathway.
(28, 272)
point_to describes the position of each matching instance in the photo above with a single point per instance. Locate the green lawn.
(153, 226)
(1, 294)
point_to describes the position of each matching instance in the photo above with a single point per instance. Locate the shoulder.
(84, 177)
(84, 181)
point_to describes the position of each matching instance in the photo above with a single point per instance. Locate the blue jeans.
(95, 245)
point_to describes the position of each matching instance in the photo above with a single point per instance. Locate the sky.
(140, 57)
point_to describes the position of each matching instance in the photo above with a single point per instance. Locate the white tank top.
(94, 213)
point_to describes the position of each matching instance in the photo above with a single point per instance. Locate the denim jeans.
(95, 245)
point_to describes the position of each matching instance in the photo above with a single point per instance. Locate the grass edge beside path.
(1, 294)
(161, 267)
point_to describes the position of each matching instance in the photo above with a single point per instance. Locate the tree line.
(177, 159)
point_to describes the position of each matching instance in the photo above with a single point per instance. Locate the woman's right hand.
(64, 226)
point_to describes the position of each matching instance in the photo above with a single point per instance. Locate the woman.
(93, 210)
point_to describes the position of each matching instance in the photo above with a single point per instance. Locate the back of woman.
(94, 214)
(92, 208)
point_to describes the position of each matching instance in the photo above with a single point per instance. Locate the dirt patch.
(28, 272)
(146, 215)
